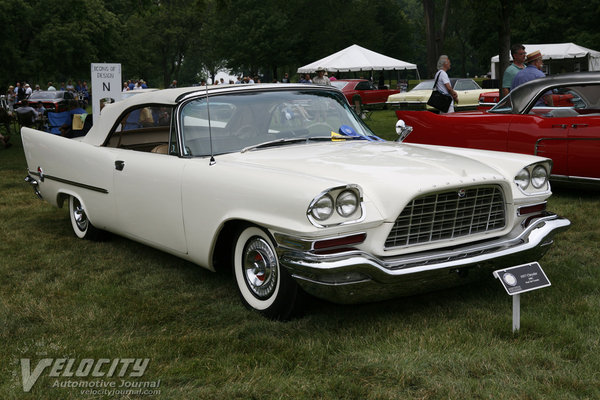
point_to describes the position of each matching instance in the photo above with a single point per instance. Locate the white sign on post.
(106, 84)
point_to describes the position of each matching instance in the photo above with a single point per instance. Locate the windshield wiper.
(281, 142)
(273, 143)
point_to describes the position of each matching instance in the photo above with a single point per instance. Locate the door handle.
(579, 126)
(119, 165)
(563, 126)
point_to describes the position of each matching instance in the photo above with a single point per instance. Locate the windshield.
(425, 85)
(339, 84)
(45, 95)
(503, 107)
(243, 120)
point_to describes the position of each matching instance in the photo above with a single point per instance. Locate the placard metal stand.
(520, 279)
(516, 313)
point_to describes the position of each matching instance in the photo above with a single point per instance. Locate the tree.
(435, 37)
(157, 37)
(504, 37)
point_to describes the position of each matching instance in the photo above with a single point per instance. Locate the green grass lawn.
(61, 297)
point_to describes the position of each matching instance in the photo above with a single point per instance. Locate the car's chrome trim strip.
(574, 179)
(69, 182)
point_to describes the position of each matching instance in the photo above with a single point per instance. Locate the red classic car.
(556, 117)
(369, 93)
(55, 101)
(488, 100)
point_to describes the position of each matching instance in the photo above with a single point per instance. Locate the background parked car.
(54, 100)
(556, 117)
(488, 100)
(367, 91)
(416, 99)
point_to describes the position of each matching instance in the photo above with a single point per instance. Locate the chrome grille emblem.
(462, 193)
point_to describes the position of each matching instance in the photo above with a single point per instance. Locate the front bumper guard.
(356, 276)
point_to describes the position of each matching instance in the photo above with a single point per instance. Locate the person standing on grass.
(321, 79)
(532, 71)
(518, 54)
(443, 82)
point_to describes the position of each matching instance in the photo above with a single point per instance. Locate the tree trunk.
(504, 40)
(435, 38)
(429, 12)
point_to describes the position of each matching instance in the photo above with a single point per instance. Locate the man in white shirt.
(443, 82)
(28, 90)
(321, 79)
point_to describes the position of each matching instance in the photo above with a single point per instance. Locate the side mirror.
(402, 130)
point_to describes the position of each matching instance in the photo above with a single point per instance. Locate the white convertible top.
(112, 112)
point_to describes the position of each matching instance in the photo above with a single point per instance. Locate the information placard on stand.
(520, 279)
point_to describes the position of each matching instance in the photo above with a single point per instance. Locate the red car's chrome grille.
(447, 215)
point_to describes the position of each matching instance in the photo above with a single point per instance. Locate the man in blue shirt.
(532, 71)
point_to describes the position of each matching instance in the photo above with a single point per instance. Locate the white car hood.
(388, 171)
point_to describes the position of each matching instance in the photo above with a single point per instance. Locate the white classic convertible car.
(285, 185)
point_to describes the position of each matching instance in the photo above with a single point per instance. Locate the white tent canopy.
(559, 51)
(356, 58)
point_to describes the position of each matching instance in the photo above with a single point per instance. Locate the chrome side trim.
(69, 182)
(575, 179)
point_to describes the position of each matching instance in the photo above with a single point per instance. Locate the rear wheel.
(80, 223)
(263, 284)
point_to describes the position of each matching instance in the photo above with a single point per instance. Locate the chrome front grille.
(447, 215)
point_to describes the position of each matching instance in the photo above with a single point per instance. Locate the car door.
(583, 147)
(564, 126)
(367, 92)
(544, 136)
(376, 95)
(147, 190)
(147, 184)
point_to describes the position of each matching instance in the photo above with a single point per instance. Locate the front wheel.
(80, 223)
(263, 284)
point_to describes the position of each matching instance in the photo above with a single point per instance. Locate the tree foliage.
(161, 40)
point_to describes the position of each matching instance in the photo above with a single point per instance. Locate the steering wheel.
(245, 131)
(320, 126)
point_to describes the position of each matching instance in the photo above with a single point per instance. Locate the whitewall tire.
(82, 227)
(262, 283)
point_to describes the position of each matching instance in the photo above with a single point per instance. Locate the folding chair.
(25, 118)
(56, 120)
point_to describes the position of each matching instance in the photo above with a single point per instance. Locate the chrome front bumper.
(356, 276)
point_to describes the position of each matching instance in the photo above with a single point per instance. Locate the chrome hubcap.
(260, 268)
(79, 215)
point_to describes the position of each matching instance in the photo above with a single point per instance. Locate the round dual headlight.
(523, 178)
(539, 177)
(346, 203)
(322, 208)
